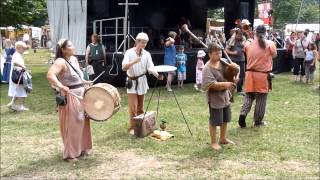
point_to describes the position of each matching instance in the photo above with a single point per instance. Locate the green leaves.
(287, 11)
(18, 12)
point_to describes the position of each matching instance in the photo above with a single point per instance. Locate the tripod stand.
(158, 103)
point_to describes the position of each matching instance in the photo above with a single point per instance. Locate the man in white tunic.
(137, 61)
(17, 91)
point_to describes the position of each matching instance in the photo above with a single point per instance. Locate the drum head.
(99, 104)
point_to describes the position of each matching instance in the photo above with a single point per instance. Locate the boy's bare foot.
(226, 141)
(216, 146)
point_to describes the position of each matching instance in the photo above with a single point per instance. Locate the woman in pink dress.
(75, 129)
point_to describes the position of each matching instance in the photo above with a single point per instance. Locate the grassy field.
(287, 148)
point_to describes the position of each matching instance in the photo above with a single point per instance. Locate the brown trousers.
(135, 107)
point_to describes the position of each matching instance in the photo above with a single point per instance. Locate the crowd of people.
(251, 55)
(302, 53)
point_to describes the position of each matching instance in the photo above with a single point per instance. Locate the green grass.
(288, 148)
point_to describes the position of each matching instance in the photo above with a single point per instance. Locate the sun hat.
(201, 54)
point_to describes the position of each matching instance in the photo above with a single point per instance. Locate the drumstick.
(98, 76)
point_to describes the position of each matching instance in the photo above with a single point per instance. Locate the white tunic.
(138, 69)
(16, 90)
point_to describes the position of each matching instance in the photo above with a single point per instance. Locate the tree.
(18, 12)
(287, 11)
(216, 13)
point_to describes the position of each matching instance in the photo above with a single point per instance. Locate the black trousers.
(289, 59)
(241, 75)
(298, 66)
(97, 68)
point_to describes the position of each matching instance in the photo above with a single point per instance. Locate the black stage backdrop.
(163, 15)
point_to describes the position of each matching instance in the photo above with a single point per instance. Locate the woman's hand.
(89, 83)
(65, 89)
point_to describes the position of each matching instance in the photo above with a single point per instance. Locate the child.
(310, 62)
(200, 65)
(218, 96)
(181, 64)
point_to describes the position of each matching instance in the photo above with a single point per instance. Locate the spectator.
(181, 66)
(290, 42)
(7, 53)
(298, 53)
(310, 62)
(96, 56)
(237, 55)
(170, 57)
(17, 91)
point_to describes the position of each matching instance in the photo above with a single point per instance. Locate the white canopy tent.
(68, 19)
(301, 27)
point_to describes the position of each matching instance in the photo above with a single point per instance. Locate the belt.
(252, 70)
(135, 78)
(76, 86)
(269, 78)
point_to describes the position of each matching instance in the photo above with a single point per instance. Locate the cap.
(142, 36)
(201, 54)
(245, 21)
(20, 43)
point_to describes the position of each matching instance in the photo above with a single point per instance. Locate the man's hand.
(137, 60)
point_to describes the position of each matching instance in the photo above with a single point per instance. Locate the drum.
(101, 101)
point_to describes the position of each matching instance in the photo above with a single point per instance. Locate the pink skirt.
(74, 127)
(198, 77)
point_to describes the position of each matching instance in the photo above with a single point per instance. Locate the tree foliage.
(284, 11)
(216, 13)
(287, 11)
(18, 12)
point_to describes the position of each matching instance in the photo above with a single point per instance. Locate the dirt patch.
(104, 163)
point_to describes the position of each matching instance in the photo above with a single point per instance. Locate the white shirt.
(138, 69)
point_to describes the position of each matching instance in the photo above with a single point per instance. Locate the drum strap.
(75, 86)
(74, 69)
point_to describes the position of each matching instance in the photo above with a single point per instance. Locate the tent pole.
(299, 14)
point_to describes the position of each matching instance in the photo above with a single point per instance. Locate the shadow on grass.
(43, 166)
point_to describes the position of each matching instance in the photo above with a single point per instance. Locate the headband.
(61, 41)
